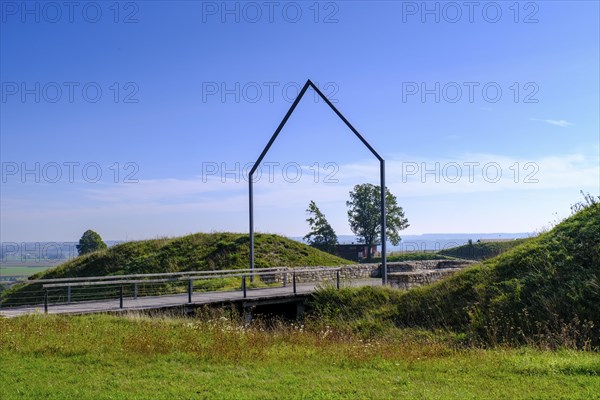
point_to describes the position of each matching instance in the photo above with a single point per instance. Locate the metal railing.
(31, 292)
(106, 288)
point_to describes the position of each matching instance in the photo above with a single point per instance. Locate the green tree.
(321, 235)
(364, 215)
(90, 241)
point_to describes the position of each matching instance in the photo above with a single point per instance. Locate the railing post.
(69, 294)
(121, 298)
(190, 290)
(244, 285)
(294, 281)
(135, 290)
(45, 301)
(337, 278)
(285, 277)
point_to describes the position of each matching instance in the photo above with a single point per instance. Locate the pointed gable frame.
(307, 85)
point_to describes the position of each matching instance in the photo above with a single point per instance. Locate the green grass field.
(101, 357)
(22, 269)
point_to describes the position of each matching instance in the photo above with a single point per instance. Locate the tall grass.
(218, 356)
(544, 292)
(214, 335)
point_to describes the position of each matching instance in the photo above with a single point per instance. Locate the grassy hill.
(481, 251)
(544, 291)
(197, 252)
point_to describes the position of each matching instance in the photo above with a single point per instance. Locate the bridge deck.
(158, 302)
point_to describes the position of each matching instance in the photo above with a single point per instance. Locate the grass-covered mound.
(197, 252)
(546, 290)
(481, 250)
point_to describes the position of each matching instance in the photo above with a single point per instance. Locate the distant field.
(22, 269)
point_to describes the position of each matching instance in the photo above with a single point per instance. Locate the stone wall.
(403, 275)
(408, 280)
(420, 265)
(316, 274)
(406, 275)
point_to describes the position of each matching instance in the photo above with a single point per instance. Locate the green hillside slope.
(546, 289)
(481, 251)
(197, 252)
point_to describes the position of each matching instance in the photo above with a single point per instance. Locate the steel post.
(244, 285)
(383, 225)
(294, 281)
(251, 217)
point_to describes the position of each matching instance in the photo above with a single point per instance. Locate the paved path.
(156, 302)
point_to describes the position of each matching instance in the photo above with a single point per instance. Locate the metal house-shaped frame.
(307, 85)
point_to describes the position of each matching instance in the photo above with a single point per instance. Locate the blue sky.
(161, 98)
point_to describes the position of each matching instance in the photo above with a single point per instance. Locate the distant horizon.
(447, 235)
(411, 243)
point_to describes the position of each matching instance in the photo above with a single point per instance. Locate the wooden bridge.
(184, 291)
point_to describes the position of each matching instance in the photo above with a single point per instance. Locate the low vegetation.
(545, 292)
(216, 356)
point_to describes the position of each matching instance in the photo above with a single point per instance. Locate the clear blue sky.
(191, 87)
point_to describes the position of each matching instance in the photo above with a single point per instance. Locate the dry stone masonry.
(403, 275)
(409, 274)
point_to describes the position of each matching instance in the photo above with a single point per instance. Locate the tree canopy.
(89, 242)
(321, 235)
(364, 215)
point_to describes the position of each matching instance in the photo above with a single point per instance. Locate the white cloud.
(556, 122)
(412, 176)
(177, 206)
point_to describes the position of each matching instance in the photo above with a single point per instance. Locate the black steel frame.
(307, 85)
